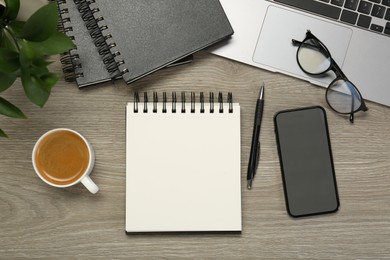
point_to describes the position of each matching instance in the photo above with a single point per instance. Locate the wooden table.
(37, 220)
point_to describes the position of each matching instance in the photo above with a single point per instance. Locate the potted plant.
(24, 48)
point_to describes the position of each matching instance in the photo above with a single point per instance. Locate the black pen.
(255, 148)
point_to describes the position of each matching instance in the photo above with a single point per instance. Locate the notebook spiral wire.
(101, 37)
(96, 34)
(70, 60)
(183, 102)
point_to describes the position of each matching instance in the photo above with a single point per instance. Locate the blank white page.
(183, 169)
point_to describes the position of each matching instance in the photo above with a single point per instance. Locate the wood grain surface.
(39, 221)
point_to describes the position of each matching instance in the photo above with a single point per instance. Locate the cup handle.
(90, 185)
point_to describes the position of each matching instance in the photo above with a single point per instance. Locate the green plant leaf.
(41, 25)
(11, 9)
(32, 56)
(57, 43)
(5, 42)
(16, 27)
(46, 79)
(3, 134)
(42, 63)
(9, 60)
(7, 109)
(27, 54)
(39, 71)
(6, 80)
(49, 80)
(34, 88)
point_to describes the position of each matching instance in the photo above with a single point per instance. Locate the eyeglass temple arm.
(296, 42)
(299, 43)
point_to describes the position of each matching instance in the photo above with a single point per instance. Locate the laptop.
(356, 32)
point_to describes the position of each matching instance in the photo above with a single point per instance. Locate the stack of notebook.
(130, 39)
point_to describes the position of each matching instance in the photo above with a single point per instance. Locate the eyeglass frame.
(332, 67)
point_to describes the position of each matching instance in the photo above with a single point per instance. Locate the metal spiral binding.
(155, 100)
(230, 102)
(98, 32)
(146, 102)
(65, 20)
(64, 11)
(201, 102)
(211, 102)
(192, 102)
(183, 102)
(70, 64)
(220, 100)
(136, 101)
(164, 110)
(70, 60)
(100, 40)
(173, 102)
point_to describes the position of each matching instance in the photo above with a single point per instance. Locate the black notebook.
(88, 64)
(144, 36)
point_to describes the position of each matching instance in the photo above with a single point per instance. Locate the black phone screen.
(306, 161)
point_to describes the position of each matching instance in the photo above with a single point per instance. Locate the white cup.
(84, 178)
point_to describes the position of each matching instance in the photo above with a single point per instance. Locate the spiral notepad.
(183, 163)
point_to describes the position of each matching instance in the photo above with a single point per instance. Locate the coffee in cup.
(62, 157)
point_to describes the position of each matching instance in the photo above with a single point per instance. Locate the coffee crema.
(62, 157)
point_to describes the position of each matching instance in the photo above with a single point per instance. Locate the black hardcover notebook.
(87, 64)
(146, 35)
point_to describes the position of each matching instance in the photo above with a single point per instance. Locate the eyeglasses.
(315, 59)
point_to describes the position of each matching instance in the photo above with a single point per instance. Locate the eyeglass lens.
(313, 58)
(343, 97)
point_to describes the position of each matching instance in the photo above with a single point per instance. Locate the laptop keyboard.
(373, 15)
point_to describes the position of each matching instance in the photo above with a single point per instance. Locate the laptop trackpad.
(275, 50)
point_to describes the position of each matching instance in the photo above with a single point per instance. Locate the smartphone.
(306, 162)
